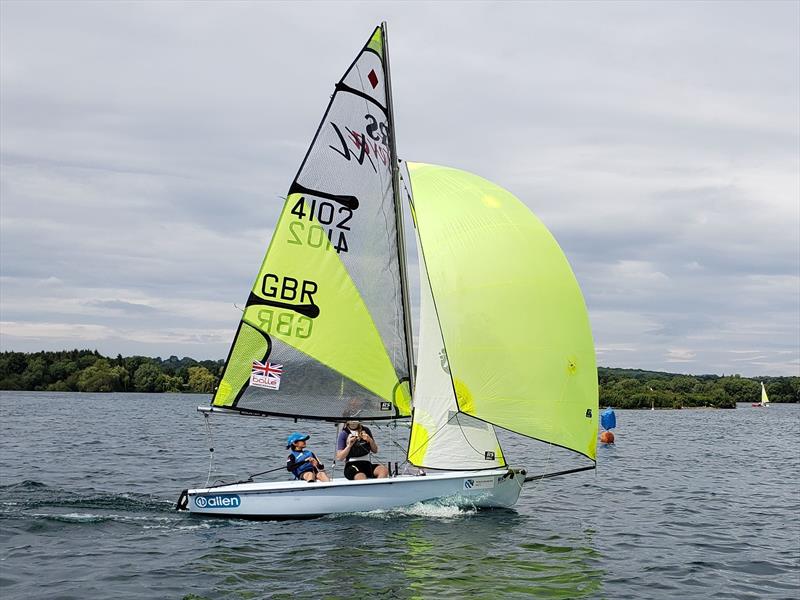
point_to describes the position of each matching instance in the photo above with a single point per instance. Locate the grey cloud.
(145, 149)
(121, 305)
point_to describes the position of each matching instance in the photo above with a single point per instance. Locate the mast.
(398, 211)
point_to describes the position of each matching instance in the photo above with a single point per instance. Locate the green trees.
(783, 389)
(146, 379)
(102, 377)
(632, 388)
(89, 371)
(149, 377)
(741, 389)
(201, 380)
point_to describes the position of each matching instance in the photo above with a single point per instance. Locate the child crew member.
(303, 463)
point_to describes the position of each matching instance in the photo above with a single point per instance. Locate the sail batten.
(322, 334)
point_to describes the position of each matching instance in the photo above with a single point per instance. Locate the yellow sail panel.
(337, 330)
(248, 346)
(305, 298)
(376, 42)
(513, 319)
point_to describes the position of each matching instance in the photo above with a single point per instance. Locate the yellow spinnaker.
(512, 315)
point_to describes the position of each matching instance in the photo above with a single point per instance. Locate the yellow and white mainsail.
(323, 334)
(504, 312)
(764, 397)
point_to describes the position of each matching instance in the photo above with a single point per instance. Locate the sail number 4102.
(335, 218)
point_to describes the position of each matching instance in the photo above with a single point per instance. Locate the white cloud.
(145, 148)
(46, 331)
(680, 355)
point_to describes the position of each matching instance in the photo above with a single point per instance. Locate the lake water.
(692, 504)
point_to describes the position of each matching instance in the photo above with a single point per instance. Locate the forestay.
(322, 333)
(515, 334)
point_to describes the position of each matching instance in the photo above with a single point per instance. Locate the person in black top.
(354, 445)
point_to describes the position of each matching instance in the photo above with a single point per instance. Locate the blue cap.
(296, 437)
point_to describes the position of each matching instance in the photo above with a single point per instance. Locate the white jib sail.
(441, 436)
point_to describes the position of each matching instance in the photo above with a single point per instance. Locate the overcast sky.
(145, 148)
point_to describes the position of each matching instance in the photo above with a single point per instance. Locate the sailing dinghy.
(326, 333)
(764, 398)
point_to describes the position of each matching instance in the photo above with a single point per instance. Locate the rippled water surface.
(693, 504)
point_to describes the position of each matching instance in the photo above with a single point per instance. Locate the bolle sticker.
(266, 375)
(478, 484)
(218, 501)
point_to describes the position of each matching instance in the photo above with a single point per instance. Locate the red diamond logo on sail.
(373, 79)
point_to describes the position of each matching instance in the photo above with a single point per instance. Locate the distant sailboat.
(764, 398)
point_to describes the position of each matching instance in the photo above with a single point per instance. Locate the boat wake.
(32, 494)
(427, 510)
(36, 501)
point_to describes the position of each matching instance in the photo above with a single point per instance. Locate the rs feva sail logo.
(218, 501)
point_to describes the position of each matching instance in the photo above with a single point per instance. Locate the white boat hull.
(498, 488)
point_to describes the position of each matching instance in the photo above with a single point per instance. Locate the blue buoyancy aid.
(298, 463)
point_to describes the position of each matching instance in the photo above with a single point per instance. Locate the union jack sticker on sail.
(266, 375)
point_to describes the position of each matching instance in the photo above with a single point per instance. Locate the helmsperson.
(355, 444)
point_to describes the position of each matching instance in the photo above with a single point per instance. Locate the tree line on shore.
(634, 388)
(89, 371)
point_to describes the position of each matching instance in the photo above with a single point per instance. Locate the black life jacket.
(360, 448)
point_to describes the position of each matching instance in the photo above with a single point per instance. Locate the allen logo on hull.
(218, 501)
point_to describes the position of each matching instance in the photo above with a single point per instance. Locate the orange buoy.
(607, 437)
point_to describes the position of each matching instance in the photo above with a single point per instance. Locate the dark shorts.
(359, 466)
